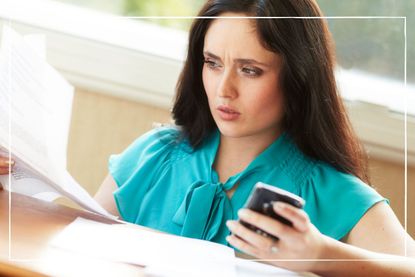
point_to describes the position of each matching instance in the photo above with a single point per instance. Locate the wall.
(103, 125)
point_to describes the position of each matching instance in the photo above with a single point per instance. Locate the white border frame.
(323, 17)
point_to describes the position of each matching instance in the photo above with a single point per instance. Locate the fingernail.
(230, 224)
(278, 205)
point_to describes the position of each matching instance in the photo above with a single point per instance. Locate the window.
(372, 45)
(147, 8)
(370, 51)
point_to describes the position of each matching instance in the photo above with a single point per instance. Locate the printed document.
(35, 108)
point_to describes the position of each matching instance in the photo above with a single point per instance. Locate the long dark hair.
(314, 117)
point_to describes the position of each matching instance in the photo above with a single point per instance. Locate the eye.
(211, 64)
(251, 71)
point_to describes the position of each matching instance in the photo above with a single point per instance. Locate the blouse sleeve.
(336, 201)
(135, 169)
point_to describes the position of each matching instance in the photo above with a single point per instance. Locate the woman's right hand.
(4, 165)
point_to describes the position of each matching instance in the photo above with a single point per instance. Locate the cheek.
(268, 103)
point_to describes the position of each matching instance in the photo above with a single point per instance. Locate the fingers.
(5, 165)
(4, 171)
(298, 217)
(5, 162)
(266, 223)
(248, 235)
(242, 245)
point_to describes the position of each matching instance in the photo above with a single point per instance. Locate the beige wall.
(103, 125)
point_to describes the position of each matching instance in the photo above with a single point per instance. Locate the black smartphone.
(261, 201)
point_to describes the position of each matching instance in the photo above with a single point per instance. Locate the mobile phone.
(261, 201)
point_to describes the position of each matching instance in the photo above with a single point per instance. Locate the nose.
(227, 87)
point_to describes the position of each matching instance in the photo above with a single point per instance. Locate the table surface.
(32, 224)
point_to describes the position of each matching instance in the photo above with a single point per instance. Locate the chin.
(234, 131)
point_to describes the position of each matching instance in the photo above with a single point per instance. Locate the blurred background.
(362, 53)
(125, 70)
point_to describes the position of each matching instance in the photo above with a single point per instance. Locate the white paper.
(38, 43)
(35, 108)
(161, 253)
(247, 268)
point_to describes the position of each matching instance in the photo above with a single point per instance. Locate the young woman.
(257, 101)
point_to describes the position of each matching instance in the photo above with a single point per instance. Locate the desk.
(33, 224)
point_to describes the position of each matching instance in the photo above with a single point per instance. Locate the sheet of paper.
(160, 252)
(36, 106)
(38, 101)
(244, 268)
(247, 268)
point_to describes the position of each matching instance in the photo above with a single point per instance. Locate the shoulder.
(161, 135)
(304, 170)
(153, 149)
(326, 182)
(326, 177)
(160, 139)
(335, 201)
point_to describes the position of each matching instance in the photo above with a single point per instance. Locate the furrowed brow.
(211, 55)
(250, 61)
(240, 61)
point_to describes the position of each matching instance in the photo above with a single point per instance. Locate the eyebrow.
(242, 61)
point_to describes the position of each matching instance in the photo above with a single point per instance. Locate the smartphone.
(261, 201)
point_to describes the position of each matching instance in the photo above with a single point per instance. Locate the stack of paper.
(35, 108)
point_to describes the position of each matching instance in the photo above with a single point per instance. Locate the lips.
(227, 113)
(227, 109)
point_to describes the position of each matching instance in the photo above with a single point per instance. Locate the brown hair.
(315, 117)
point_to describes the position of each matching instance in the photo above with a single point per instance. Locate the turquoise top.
(163, 183)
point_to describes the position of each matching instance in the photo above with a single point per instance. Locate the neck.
(238, 152)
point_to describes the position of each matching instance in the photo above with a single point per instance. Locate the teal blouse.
(165, 184)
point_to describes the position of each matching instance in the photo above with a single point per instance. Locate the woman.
(257, 101)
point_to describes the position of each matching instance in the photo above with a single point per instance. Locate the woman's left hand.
(302, 241)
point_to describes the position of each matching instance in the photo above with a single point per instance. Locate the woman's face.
(241, 79)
